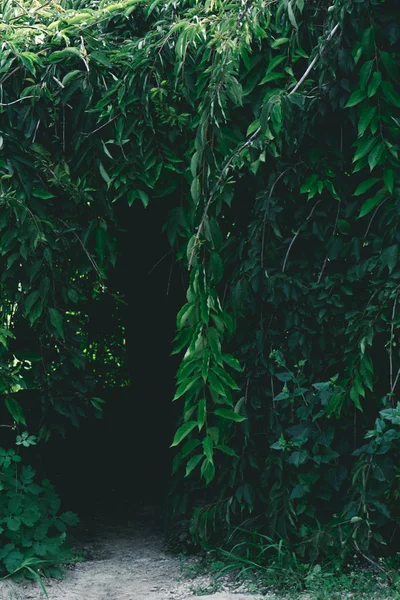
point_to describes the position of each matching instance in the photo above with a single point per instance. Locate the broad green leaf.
(391, 94)
(208, 448)
(192, 463)
(232, 362)
(183, 431)
(201, 413)
(366, 185)
(226, 450)
(30, 301)
(57, 321)
(104, 173)
(365, 73)
(15, 410)
(369, 205)
(356, 97)
(279, 42)
(389, 257)
(390, 65)
(291, 16)
(365, 118)
(229, 414)
(144, 197)
(376, 155)
(388, 178)
(42, 194)
(374, 84)
(216, 266)
(363, 147)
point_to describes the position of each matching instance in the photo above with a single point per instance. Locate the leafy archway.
(274, 126)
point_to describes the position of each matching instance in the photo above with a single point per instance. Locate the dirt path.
(124, 563)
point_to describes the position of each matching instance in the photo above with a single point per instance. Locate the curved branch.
(243, 147)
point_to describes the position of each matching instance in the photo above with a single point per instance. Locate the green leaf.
(13, 561)
(183, 431)
(216, 267)
(201, 413)
(226, 450)
(185, 386)
(365, 73)
(298, 458)
(229, 414)
(363, 147)
(42, 194)
(374, 84)
(15, 409)
(192, 463)
(389, 257)
(356, 97)
(232, 362)
(104, 173)
(369, 205)
(366, 185)
(208, 448)
(390, 94)
(390, 65)
(366, 116)
(376, 155)
(279, 42)
(388, 179)
(144, 197)
(57, 321)
(291, 16)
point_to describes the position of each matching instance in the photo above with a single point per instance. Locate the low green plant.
(32, 529)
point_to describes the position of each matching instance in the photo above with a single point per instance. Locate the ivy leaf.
(182, 432)
(13, 561)
(298, 458)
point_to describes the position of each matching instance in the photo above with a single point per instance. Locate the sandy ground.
(124, 563)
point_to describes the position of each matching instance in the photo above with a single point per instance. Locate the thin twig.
(297, 233)
(372, 562)
(373, 217)
(101, 127)
(265, 215)
(333, 235)
(9, 75)
(19, 100)
(240, 150)
(391, 344)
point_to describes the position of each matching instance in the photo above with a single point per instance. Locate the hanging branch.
(246, 145)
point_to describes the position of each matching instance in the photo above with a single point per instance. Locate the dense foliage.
(274, 125)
